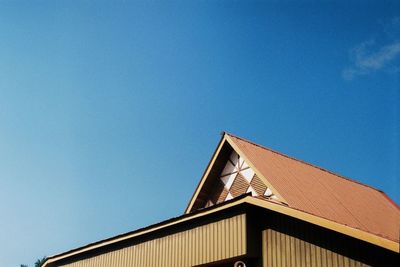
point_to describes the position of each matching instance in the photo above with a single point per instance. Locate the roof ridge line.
(304, 162)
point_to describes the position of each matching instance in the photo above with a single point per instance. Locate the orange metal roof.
(322, 193)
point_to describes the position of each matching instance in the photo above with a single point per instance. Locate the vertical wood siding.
(212, 242)
(280, 249)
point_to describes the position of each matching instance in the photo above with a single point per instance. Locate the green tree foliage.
(40, 262)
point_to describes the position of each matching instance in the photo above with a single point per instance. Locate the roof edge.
(326, 223)
(205, 173)
(390, 200)
(148, 229)
(246, 198)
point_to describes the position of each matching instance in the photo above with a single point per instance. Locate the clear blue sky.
(110, 111)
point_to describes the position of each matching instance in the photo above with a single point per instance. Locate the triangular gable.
(229, 175)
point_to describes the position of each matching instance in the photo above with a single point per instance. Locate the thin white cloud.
(368, 56)
(379, 59)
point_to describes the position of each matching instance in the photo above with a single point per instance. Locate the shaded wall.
(286, 241)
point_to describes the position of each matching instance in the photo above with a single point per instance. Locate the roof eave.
(279, 208)
(328, 224)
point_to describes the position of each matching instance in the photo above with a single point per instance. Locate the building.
(257, 207)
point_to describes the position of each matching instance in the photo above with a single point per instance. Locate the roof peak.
(301, 185)
(304, 162)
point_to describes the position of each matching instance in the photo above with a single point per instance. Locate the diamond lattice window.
(237, 178)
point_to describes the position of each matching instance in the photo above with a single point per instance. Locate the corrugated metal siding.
(212, 242)
(280, 249)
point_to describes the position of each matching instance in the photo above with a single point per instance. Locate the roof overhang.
(147, 230)
(325, 223)
(265, 204)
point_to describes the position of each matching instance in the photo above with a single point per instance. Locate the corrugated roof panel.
(322, 193)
